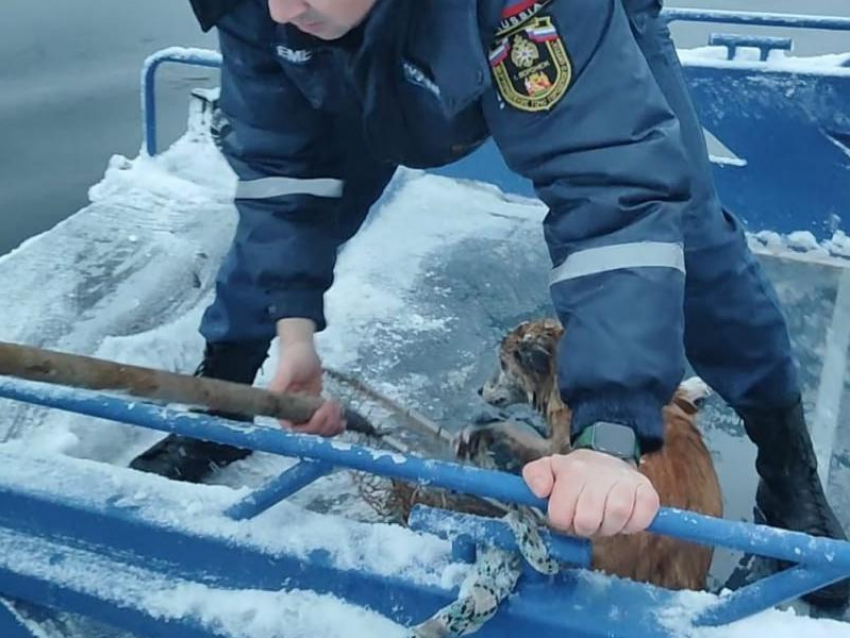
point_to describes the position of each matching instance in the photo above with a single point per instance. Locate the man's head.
(325, 19)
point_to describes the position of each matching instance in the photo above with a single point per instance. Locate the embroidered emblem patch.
(531, 66)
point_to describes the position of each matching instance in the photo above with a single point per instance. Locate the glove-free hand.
(593, 494)
(300, 371)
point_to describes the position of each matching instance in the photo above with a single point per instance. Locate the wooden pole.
(36, 364)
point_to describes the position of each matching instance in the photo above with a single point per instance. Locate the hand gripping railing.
(819, 561)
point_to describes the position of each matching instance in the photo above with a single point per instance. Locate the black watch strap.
(611, 438)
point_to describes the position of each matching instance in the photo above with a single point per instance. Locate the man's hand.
(592, 493)
(299, 370)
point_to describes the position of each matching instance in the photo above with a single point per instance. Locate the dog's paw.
(487, 416)
(473, 441)
(503, 445)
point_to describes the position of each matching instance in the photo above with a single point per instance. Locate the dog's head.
(526, 363)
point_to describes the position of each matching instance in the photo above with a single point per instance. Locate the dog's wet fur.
(682, 471)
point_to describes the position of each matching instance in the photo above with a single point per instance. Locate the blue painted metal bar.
(763, 43)
(112, 539)
(212, 59)
(49, 594)
(541, 620)
(450, 525)
(761, 540)
(121, 534)
(202, 58)
(292, 480)
(10, 624)
(464, 549)
(752, 599)
(776, 589)
(800, 21)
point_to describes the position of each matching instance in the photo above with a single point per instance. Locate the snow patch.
(802, 240)
(696, 389)
(290, 614)
(839, 244)
(748, 58)
(803, 246)
(679, 618)
(288, 528)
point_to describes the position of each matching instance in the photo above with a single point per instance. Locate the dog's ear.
(687, 405)
(535, 356)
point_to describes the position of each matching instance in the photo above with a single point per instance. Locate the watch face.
(615, 439)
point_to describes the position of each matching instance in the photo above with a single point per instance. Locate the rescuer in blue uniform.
(323, 99)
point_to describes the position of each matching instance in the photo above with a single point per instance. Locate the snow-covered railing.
(178, 55)
(801, 21)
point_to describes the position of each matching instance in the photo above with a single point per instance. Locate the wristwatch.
(611, 438)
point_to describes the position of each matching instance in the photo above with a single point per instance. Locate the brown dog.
(682, 472)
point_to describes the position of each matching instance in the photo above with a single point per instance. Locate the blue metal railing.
(763, 43)
(793, 21)
(292, 480)
(177, 55)
(822, 560)
(10, 625)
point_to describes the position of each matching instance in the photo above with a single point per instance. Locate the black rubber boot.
(192, 460)
(790, 495)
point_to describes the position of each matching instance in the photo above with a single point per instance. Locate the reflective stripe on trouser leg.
(269, 187)
(646, 254)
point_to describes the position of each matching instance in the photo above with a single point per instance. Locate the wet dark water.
(69, 99)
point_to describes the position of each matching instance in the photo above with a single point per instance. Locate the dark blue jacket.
(316, 130)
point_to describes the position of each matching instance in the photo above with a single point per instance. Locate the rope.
(493, 579)
(523, 523)
(496, 571)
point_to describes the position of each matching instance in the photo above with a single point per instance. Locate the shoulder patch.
(531, 66)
